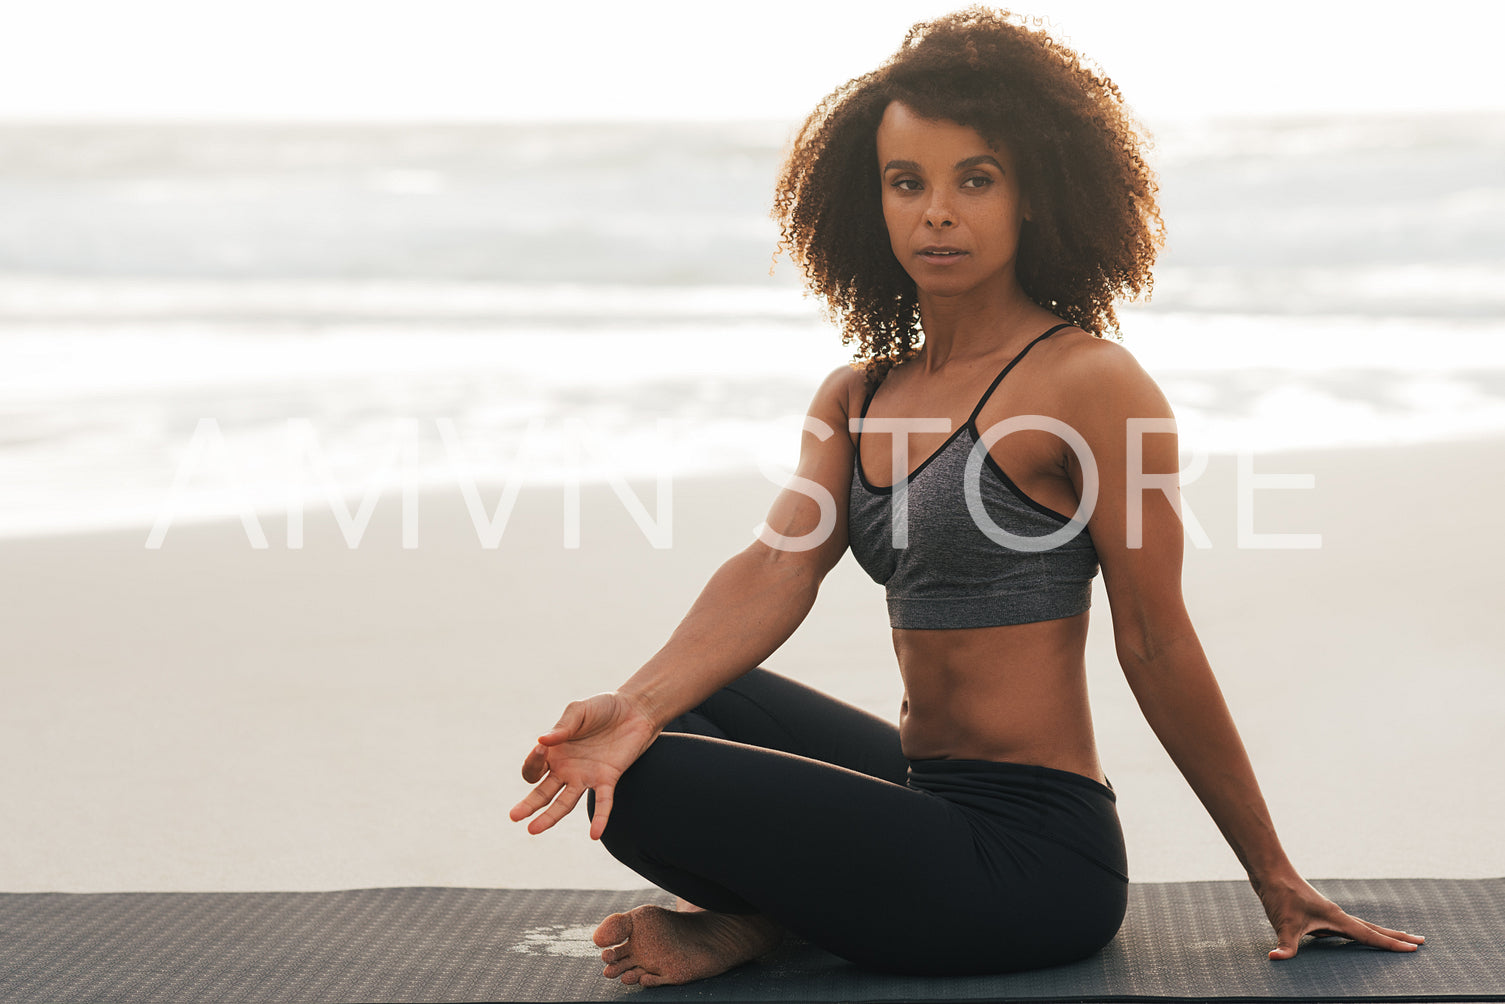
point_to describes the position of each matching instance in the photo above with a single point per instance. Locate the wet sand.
(209, 716)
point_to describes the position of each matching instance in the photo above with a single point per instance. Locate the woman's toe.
(613, 930)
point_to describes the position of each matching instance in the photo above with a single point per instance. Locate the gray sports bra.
(957, 570)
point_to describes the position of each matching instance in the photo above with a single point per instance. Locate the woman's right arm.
(750, 606)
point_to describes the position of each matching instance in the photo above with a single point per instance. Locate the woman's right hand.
(595, 741)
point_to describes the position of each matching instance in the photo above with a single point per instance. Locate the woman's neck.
(962, 329)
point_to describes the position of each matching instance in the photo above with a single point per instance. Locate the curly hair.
(1095, 227)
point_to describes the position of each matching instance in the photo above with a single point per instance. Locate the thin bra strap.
(866, 402)
(972, 420)
(872, 391)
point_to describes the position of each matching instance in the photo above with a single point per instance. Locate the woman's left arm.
(1158, 649)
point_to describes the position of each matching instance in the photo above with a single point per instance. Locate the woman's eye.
(977, 181)
(906, 185)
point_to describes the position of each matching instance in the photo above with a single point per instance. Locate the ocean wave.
(1474, 289)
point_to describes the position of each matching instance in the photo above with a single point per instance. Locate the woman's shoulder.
(842, 391)
(1077, 348)
(1102, 375)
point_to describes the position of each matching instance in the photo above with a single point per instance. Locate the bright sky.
(612, 59)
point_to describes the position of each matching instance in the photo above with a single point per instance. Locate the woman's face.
(951, 201)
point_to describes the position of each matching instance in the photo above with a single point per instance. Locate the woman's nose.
(938, 213)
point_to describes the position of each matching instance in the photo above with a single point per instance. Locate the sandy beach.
(210, 716)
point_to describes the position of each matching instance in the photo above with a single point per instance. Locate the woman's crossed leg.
(775, 807)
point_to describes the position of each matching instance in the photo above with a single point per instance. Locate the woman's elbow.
(807, 556)
(1146, 640)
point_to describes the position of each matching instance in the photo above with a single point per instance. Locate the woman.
(969, 212)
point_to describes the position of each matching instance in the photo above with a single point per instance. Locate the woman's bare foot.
(657, 947)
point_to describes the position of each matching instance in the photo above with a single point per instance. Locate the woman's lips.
(942, 256)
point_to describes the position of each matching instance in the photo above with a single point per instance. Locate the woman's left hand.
(1296, 909)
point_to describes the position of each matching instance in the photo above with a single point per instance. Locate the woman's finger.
(1365, 933)
(535, 764)
(1286, 945)
(1414, 939)
(561, 808)
(1377, 937)
(536, 799)
(1290, 933)
(1353, 928)
(603, 809)
(568, 725)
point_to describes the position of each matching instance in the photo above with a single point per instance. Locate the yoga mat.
(1180, 941)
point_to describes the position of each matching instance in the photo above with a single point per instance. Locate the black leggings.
(773, 798)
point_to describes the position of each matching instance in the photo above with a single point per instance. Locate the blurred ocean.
(277, 312)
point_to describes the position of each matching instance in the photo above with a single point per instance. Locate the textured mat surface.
(1198, 941)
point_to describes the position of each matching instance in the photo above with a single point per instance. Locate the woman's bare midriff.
(1015, 693)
